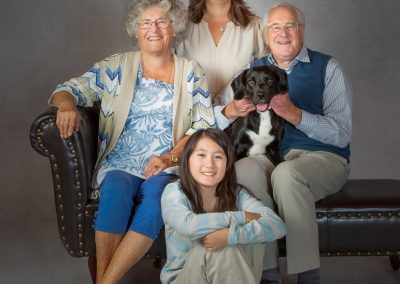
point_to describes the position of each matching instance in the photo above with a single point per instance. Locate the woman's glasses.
(160, 23)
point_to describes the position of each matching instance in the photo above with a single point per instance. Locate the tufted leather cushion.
(362, 219)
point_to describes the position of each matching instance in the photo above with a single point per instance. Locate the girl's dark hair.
(240, 14)
(226, 190)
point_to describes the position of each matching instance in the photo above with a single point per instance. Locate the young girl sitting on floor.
(214, 228)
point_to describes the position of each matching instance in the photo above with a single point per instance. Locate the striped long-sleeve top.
(184, 228)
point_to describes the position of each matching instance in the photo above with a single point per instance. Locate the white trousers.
(302, 179)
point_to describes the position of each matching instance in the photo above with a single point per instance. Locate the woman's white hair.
(301, 18)
(176, 10)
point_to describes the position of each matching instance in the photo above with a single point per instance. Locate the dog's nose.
(260, 96)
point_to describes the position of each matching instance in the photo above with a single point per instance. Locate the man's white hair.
(301, 19)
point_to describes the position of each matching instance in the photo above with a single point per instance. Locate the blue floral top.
(112, 81)
(147, 131)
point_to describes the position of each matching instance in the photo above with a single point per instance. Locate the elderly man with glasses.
(316, 142)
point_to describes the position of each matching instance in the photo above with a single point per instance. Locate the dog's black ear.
(239, 86)
(283, 86)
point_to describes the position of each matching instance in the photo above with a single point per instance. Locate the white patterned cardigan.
(113, 80)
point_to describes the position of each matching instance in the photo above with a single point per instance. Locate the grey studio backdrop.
(45, 42)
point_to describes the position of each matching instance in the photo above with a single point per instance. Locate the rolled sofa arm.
(72, 161)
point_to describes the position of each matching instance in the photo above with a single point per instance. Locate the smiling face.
(155, 40)
(285, 43)
(207, 164)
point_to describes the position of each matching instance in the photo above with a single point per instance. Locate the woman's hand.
(238, 108)
(156, 165)
(216, 240)
(68, 119)
(251, 216)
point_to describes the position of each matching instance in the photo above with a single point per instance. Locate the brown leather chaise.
(363, 219)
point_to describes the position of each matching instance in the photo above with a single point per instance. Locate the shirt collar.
(302, 56)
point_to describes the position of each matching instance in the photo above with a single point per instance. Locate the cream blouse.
(221, 63)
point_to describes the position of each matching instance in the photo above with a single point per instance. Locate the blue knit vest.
(306, 87)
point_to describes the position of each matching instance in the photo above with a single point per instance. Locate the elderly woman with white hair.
(150, 102)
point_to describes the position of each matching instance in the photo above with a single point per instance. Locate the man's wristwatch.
(174, 159)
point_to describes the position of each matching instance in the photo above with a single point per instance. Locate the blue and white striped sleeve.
(267, 228)
(334, 127)
(221, 100)
(177, 214)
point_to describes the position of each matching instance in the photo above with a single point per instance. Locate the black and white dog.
(260, 132)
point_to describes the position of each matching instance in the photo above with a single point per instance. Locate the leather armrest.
(72, 161)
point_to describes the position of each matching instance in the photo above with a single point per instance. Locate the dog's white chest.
(262, 138)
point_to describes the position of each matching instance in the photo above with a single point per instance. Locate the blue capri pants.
(128, 202)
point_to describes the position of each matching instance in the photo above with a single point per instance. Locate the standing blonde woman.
(151, 101)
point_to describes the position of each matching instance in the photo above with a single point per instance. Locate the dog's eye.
(251, 83)
(270, 81)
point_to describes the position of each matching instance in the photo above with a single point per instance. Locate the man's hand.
(68, 119)
(284, 107)
(238, 108)
(216, 240)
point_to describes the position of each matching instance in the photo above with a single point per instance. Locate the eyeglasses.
(160, 23)
(290, 27)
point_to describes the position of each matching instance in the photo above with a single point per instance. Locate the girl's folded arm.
(178, 215)
(267, 228)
